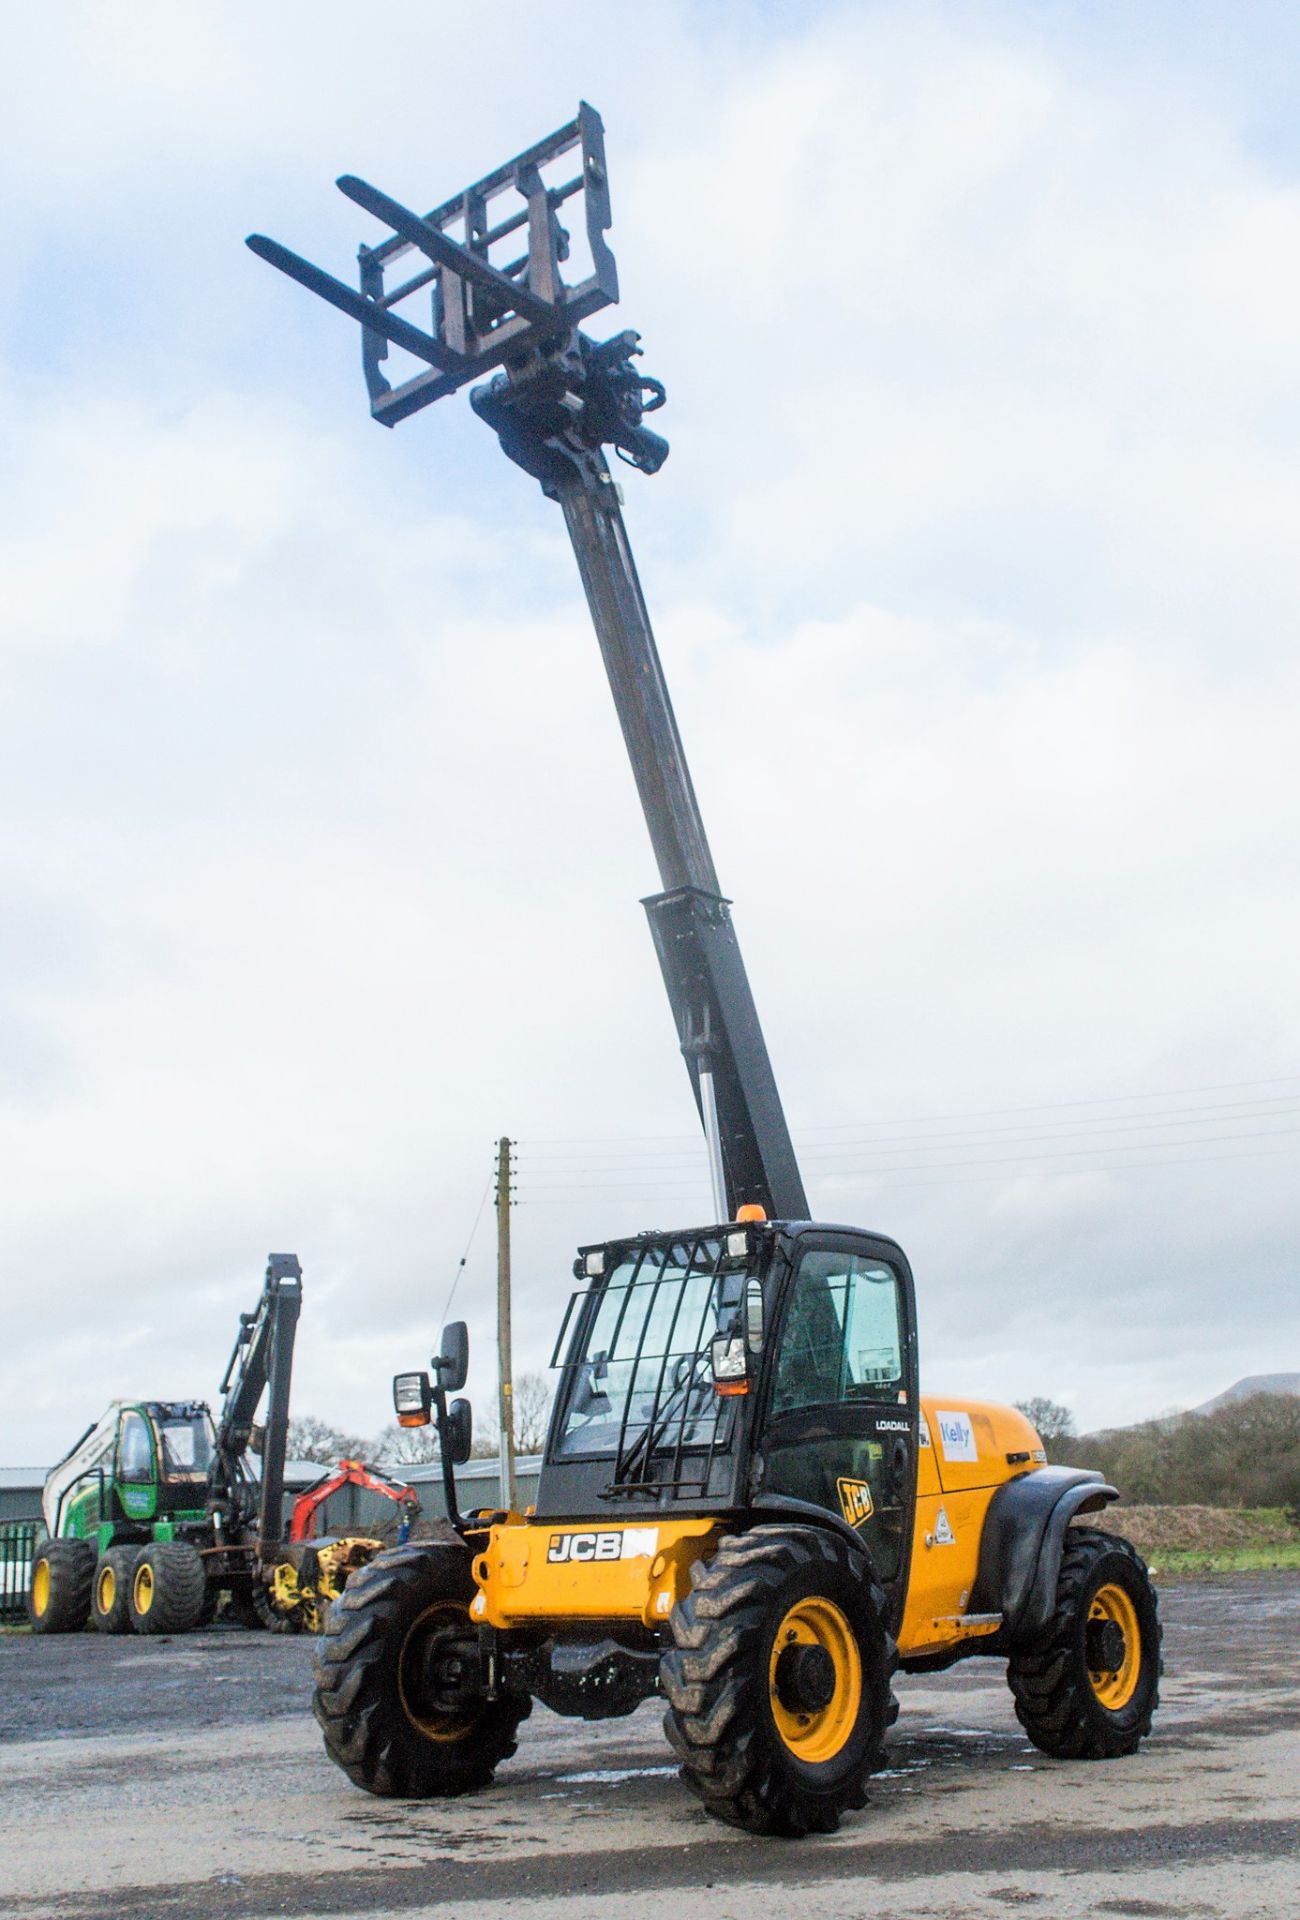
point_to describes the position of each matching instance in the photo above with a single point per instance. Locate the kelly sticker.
(956, 1436)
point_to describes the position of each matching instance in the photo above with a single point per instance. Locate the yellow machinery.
(745, 1506)
(302, 1588)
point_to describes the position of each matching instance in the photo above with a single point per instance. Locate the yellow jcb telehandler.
(745, 1505)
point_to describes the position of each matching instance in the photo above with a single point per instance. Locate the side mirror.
(729, 1362)
(754, 1314)
(453, 1357)
(459, 1438)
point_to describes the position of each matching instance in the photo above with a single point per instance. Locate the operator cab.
(164, 1449)
(761, 1364)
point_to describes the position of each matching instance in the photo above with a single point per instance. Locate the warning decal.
(856, 1503)
(943, 1533)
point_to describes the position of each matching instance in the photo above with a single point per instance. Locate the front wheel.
(779, 1681)
(398, 1692)
(58, 1592)
(1087, 1688)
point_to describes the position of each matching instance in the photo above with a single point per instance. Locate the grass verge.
(1187, 1541)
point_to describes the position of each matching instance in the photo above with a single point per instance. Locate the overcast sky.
(975, 572)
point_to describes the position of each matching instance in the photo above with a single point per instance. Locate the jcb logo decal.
(856, 1503)
(631, 1543)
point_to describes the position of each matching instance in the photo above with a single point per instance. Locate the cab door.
(136, 1471)
(841, 1421)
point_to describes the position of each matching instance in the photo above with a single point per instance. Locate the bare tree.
(532, 1412)
(1054, 1423)
(407, 1446)
(310, 1438)
(487, 1442)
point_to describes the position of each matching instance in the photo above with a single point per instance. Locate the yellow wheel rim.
(436, 1725)
(143, 1588)
(41, 1588)
(816, 1736)
(1114, 1688)
(105, 1589)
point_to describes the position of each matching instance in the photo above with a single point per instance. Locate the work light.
(412, 1398)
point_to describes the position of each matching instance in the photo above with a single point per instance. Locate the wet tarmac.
(186, 1778)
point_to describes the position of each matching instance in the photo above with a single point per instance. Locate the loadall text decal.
(631, 1543)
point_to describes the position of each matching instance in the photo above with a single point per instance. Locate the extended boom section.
(558, 400)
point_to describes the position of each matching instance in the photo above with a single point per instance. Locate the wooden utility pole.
(506, 1396)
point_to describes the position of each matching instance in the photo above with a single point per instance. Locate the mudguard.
(1022, 1541)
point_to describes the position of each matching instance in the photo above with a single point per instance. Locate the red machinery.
(351, 1473)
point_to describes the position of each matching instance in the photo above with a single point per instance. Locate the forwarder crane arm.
(558, 401)
(262, 1362)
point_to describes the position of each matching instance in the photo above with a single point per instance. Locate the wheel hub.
(1105, 1646)
(805, 1678)
(443, 1683)
(452, 1674)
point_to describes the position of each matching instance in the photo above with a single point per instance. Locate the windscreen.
(186, 1445)
(640, 1388)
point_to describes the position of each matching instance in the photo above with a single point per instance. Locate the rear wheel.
(58, 1591)
(168, 1588)
(398, 1693)
(1088, 1687)
(110, 1598)
(779, 1681)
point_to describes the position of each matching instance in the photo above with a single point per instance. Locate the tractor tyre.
(778, 1681)
(168, 1588)
(58, 1590)
(398, 1692)
(110, 1594)
(1087, 1687)
(268, 1614)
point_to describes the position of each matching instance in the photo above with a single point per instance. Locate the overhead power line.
(541, 1144)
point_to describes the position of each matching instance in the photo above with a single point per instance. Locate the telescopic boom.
(559, 399)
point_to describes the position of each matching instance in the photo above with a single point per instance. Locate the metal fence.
(18, 1541)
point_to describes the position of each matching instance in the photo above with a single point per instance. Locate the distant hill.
(1253, 1383)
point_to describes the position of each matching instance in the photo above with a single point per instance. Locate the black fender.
(1022, 1542)
(802, 1513)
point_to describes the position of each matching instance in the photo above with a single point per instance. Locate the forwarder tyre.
(58, 1591)
(255, 1609)
(168, 1588)
(110, 1594)
(1088, 1686)
(398, 1693)
(778, 1681)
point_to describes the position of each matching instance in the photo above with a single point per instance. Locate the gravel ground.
(186, 1779)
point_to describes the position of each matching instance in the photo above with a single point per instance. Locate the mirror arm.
(454, 1515)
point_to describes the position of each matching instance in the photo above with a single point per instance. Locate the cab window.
(135, 1452)
(843, 1334)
